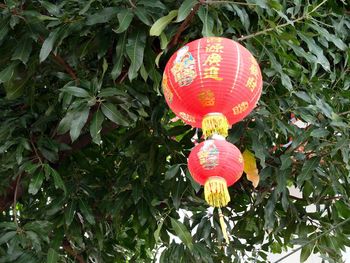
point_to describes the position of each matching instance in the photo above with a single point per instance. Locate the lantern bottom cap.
(216, 192)
(215, 123)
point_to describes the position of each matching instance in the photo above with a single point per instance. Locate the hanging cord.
(223, 226)
(314, 239)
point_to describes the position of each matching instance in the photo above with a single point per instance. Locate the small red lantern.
(216, 164)
(212, 83)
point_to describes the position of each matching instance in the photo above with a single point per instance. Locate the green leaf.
(124, 17)
(65, 123)
(6, 237)
(78, 122)
(35, 240)
(143, 15)
(111, 112)
(103, 16)
(14, 88)
(286, 161)
(70, 212)
(158, 27)
(303, 95)
(119, 57)
(86, 7)
(315, 49)
(48, 45)
(77, 92)
(157, 232)
(51, 8)
(172, 171)
(207, 20)
(259, 150)
(185, 9)
(86, 210)
(23, 49)
(35, 183)
(269, 213)
(8, 225)
(110, 92)
(7, 73)
(140, 97)
(59, 184)
(4, 29)
(52, 256)
(306, 251)
(318, 133)
(307, 169)
(182, 232)
(135, 50)
(96, 127)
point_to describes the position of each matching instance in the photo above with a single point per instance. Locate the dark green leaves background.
(98, 168)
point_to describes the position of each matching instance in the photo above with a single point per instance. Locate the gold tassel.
(215, 123)
(223, 226)
(216, 192)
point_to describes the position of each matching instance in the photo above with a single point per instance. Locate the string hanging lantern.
(212, 83)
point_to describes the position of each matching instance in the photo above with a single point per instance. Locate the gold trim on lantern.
(216, 192)
(215, 123)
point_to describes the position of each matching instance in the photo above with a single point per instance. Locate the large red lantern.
(216, 164)
(212, 83)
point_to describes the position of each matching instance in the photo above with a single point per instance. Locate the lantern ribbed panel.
(215, 158)
(212, 75)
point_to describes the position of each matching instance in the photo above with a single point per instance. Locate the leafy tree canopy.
(93, 169)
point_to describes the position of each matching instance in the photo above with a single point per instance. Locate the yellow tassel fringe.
(223, 226)
(215, 123)
(216, 192)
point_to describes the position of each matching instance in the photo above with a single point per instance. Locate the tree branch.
(306, 16)
(184, 25)
(68, 248)
(63, 63)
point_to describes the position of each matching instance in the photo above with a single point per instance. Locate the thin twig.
(314, 239)
(344, 113)
(228, 2)
(36, 151)
(306, 16)
(132, 4)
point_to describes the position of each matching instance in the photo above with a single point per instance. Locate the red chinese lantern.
(212, 83)
(216, 164)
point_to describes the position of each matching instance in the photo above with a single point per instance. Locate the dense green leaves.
(97, 153)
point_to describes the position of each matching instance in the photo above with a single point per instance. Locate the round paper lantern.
(216, 164)
(212, 83)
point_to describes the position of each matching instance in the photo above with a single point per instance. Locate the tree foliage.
(93, 165)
